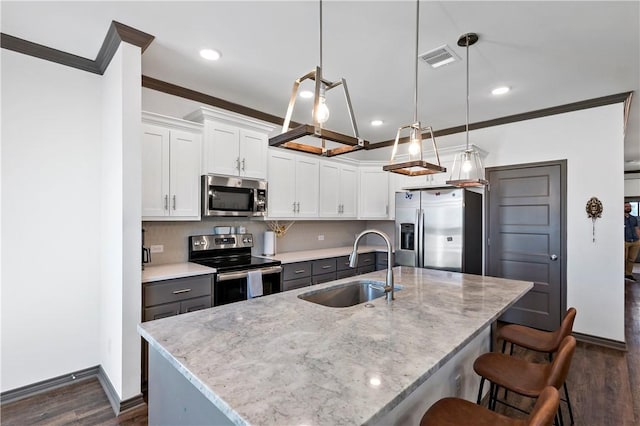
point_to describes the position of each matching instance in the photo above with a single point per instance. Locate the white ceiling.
(550, 53)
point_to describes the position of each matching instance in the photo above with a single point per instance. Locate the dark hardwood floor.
(81, 403)
(601, 381)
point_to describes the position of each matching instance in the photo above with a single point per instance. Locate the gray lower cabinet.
(166, 298)
(344, 270)
(304, 274)
(323, 270)
(381, 260)
(296, 275)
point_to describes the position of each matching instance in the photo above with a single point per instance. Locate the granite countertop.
(174, 270)
(304, 255)
(279, 360)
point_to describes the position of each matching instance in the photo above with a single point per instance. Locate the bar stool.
(540, 341)
(459, 412)
(521, 376)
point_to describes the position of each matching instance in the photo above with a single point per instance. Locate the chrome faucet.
(353, 259)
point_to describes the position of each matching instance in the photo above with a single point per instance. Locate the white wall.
(632, 185)
(50, 173)
(120, 224)
(592, 142)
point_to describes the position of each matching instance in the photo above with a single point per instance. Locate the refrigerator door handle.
(416, 239)
(420, 262)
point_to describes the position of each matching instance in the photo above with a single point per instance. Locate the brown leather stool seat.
(523, 377)
(540, 341)
(459, 412)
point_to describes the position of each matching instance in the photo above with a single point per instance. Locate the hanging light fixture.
(320, 116)
(467, 170)
(416, 165)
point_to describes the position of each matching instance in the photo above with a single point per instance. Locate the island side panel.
(173, 400)
(442, 384)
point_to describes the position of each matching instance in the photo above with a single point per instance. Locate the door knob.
(553, 257)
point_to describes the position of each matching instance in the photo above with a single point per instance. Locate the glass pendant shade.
(415, 165)
(467, 170)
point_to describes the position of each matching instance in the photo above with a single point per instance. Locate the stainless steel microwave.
(232, 196)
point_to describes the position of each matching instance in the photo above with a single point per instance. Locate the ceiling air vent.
(439, 56)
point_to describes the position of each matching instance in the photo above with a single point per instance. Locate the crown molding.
(116, 34)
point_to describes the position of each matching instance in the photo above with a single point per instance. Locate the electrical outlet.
(458, 385)
(157, 248)
(320, 237)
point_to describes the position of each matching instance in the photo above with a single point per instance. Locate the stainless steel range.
(231, 255)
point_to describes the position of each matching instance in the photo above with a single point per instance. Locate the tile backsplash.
(302, 235)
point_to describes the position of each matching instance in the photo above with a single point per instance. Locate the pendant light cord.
(415, 83)
(320, 34)
(467, 126)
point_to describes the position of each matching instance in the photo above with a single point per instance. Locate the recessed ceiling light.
(377, 122)
(210, 54)
(306, 94)
(500, 90)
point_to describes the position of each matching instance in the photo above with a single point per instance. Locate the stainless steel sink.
(348, 294)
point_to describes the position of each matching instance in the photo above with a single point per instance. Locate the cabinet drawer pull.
(326, 267)
(184, 290)
(299, 271)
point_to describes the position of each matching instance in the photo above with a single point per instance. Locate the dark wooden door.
(526, 239)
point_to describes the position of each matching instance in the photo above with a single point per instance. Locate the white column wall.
(592, 142)
(50, 198)
(120, 225)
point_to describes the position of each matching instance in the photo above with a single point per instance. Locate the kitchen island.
(280, 360)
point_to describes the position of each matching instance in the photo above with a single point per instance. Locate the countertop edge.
(171, 271)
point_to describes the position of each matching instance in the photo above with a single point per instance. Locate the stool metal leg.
(480, 391)
(566, 394)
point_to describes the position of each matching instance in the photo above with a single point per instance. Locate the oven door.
(231, 287)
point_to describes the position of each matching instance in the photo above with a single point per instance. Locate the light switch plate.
(320, 237)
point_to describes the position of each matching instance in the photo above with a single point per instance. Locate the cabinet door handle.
(294, 206)
(298, 210)
(238, 164)
(174, 202)
(184, 290)
(243, 164)
(326, 267)
(299, 271)
(166, 202)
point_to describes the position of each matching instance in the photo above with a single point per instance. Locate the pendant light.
(467, 170)
(416, 165)
(320, 116)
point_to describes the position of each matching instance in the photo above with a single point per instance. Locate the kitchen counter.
(281, 360)
(304, 255)
(174, 270)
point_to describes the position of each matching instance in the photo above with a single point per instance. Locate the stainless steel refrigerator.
(439, 229)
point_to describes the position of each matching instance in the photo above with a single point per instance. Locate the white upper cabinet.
(234, 145)
(374, 193)
(170, 168)
(338, 190)
(293, 185)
